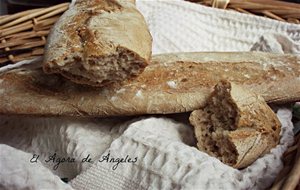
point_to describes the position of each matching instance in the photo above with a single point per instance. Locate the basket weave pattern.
(278, 10)
(23, 35)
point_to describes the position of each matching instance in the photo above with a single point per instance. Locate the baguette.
(98, 42)
(236, 126)
(172, 83)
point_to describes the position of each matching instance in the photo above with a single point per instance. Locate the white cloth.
(166, 158)
(180, 26)
(16, 172)
(166, 162)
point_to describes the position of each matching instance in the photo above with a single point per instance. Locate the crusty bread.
(97, 42)
(172, 83)
(236, 126)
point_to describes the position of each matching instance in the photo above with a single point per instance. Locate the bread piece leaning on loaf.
(236, 125)
(97, 42)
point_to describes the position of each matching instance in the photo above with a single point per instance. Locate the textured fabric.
(183, 26)
(166, 156)
(169, 163)
(16, 172)
(111, 180)
(277, 43)
(67, 137)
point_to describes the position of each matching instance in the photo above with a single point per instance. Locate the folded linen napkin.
(180, 26)
(166, 158)
(165, 162)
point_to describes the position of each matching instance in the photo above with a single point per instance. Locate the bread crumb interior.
(216, 120)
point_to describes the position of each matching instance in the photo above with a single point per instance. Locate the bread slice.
(236, 125)
(99, 42)
(172, 83)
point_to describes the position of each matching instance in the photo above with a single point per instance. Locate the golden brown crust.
(98, 42)
(172, 83)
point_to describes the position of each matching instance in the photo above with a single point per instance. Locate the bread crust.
(253, 132)
(98, 42)
(172, 83)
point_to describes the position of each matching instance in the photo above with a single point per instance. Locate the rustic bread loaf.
(236, 126)
(98, 42)
(172, 83)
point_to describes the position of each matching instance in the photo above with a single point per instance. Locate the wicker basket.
(278, 10)
(23, 36)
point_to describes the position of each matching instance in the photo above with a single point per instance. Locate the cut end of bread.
(215, 122)
(223, 128)
(101, 70)
(98, 43)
